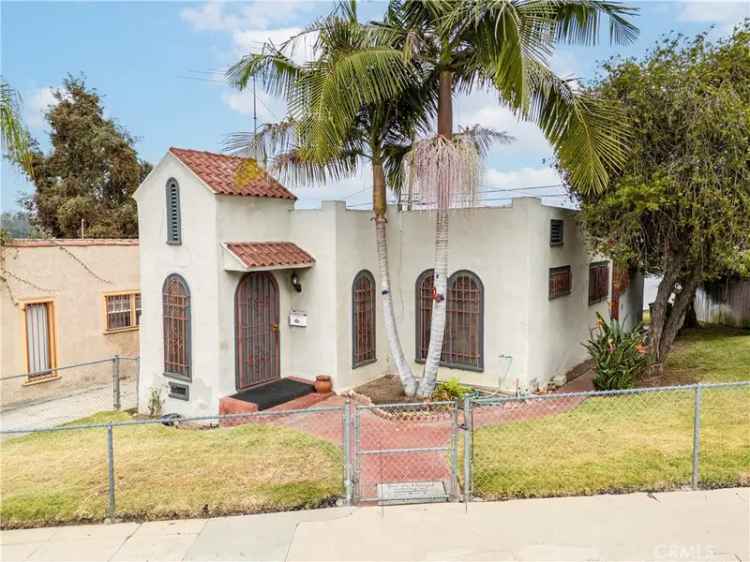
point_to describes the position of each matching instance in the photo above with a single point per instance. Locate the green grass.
(61, 477)
(709, 354)
(616, 444)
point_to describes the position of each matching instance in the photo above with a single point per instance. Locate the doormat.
(274, 393)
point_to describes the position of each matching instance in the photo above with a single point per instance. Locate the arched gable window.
(174, 234)
(463, 342)
(363, 319)
(176, 318)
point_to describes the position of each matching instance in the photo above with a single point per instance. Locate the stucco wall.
(197, 260)
(492, 244)
(75, 275)
(558, 326)
(527, 337)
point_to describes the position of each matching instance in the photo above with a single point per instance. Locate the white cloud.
(36, 105)
(522, 177)
(270, 109)
(214, 15)
(484, 109)
(725, 14)
(300, 50)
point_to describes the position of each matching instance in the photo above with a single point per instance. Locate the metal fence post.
(137, 382)
(111, 471)
(355, 456)
(468, 453)
(697, 436)
(454, 451)
(116, 382)
(347, 453)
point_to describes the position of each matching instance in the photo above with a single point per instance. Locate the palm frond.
(296, 169)
(483, 137)
(276, 71)
(589, 135)
(578, 21)
(16, 140)
(272, 138)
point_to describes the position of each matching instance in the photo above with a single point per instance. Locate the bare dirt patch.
(384, 390)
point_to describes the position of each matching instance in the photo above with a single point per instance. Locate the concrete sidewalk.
(684, 526)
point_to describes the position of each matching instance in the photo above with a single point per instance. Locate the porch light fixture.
(296, 283)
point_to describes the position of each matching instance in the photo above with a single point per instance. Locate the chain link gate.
(406, 453)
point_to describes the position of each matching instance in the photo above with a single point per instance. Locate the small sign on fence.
(412, 492)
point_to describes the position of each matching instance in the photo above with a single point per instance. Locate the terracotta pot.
(323, 384)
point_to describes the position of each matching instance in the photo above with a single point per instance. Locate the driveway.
(685, 526)
(71, 406)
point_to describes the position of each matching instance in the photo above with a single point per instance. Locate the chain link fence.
(124, 466)
(406, 452)
(69, 392)
(607, 442)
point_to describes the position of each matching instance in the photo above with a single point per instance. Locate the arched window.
(425, 283)
(463, 342)
(176, 317)
(174, 234)
(363, 319)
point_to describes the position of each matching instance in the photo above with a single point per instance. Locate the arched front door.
(256, 318)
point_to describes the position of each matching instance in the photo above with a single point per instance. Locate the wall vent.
(557, 232)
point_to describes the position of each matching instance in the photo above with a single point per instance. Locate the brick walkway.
(406, 431)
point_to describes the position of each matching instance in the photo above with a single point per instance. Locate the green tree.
(447, 46)
(304, 150)
(505, 46)
(16, 140)
(16, 225)
(680, 207)
(84, 185)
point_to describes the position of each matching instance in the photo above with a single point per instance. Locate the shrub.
(619, 356)
(450, 390)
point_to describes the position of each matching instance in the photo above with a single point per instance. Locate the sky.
(158, 67)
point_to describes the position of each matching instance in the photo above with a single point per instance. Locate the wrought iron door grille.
(257, 329)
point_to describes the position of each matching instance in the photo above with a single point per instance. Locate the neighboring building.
(239, 288)
(65, 302)
(724, 302)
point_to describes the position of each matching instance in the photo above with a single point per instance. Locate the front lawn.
(60, 477)
(709, 354)
(615, 444)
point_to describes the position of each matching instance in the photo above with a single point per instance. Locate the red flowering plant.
(620, 356)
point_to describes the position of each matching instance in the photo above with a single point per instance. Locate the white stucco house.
(240, 288)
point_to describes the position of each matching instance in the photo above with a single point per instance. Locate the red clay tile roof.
(232, 175)
(269, 254)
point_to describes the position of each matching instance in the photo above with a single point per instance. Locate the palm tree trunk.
(440, 283)
(408, 382)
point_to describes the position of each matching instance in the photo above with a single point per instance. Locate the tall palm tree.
(16, 140)
(343, 119)
(505, 45)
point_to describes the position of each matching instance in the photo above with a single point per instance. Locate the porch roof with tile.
(260, 256)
